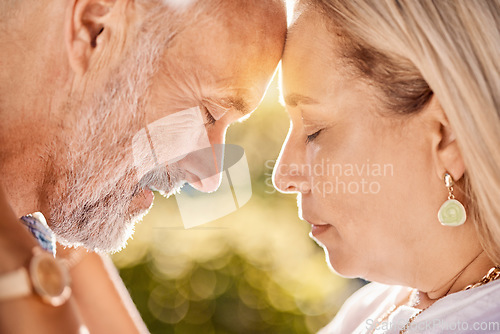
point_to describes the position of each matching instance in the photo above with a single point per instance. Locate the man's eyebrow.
(295, 99)
(236, 102)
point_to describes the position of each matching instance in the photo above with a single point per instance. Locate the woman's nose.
(289, 175)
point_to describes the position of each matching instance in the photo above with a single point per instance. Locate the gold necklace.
(492, 275)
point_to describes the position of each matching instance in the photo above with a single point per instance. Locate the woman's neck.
(472, 273)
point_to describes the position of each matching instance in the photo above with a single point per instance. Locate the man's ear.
(446, 153)
(85, 23)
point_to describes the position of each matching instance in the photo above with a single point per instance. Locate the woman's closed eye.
(313, 136)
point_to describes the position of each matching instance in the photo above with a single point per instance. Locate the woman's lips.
(319, 229)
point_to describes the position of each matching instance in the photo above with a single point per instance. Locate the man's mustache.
(162, 179)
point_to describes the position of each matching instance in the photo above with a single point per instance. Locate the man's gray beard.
(95, 183)
(97, 215)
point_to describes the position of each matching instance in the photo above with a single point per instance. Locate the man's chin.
(104, 226)
(107, 232)
(105, 243)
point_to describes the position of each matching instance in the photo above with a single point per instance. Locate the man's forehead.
(210, 60)
(239, 19)
(179, 4)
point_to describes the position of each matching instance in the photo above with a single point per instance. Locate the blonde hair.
(411, 49)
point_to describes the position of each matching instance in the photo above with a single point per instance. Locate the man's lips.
(141, 201)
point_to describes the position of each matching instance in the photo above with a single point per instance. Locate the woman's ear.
(86, 20)
(446, 153)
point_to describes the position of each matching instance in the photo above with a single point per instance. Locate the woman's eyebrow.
(296, 99)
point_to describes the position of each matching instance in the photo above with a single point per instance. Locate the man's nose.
(290, 174)
(205, 167)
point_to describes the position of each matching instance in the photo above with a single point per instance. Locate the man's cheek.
(169, 140)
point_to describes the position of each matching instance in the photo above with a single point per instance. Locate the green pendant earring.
(452, 212)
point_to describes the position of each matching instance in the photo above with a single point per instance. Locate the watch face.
(50, 279)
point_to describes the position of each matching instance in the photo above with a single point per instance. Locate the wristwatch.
(46, 277)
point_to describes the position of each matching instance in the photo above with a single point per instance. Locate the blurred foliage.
(253, 271)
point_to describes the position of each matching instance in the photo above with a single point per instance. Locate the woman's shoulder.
(477, 306)
(360, 305)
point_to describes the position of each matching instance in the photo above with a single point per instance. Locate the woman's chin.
(341, 266)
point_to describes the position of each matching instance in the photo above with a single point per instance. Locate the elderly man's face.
(212, 67)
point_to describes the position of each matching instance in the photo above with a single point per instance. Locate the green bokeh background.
(253, 271)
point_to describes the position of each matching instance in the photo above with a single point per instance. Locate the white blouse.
(475, 310)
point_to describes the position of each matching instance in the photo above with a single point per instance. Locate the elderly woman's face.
(362, 177)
